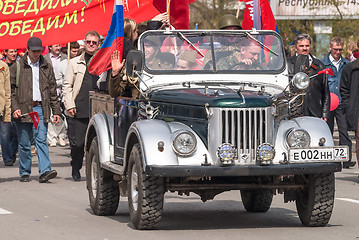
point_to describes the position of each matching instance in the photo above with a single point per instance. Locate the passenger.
(154, 59)
(245, 59)
(118, 84)
(186, 61)
(228, 43)
(130, 28)
(229, 22)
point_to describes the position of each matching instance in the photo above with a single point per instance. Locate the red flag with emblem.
(35, 118)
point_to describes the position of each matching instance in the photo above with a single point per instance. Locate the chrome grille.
(245, 128)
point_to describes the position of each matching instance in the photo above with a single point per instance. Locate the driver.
(245, 59)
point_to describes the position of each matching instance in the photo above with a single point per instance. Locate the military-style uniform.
(160, 64)
(231, 62)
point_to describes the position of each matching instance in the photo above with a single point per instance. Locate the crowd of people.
(56, 85)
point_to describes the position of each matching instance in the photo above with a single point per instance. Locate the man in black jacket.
(317, 98)
(349, 88)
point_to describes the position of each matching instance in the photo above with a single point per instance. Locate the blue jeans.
(8, 136)
(25, 134)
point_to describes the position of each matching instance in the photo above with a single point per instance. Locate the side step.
(112, 167)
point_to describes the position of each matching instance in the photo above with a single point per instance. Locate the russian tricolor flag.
(101, 62)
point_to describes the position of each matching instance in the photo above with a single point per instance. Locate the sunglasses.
(337, 49)
(91, 42)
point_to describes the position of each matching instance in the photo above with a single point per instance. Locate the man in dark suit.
(317, 98)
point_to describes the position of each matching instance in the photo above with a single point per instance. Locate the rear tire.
(145, 194)
(315, 203)
(257, 200)
(104, 193)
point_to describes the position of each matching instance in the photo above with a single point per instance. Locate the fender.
(101, 125)
(150, 132)
(316, 127)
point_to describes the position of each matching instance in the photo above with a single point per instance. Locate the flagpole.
(257, 15)
(239, 5)
(68, 51)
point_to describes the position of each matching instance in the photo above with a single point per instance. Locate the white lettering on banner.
(250, 8)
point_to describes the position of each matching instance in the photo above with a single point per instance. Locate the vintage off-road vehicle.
(220, 124)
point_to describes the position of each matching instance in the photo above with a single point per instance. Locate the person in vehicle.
(245, 59)
(155, 59)
(229, 22)
(186, 61)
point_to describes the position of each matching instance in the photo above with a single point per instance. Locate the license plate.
(319, 154)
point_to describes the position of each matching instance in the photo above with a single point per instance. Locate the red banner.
(62, 21)
(53, 21)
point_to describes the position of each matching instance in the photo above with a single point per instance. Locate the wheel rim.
(94, 178)
(134, 187)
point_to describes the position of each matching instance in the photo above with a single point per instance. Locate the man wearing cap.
(33, 89)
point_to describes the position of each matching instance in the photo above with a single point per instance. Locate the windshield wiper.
(260, 43)
(183, 38)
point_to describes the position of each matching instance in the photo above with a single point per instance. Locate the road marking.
(349, 200)
(3, 211)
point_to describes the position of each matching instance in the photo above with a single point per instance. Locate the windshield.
(213, 51)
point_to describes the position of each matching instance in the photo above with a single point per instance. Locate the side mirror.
(134, 63)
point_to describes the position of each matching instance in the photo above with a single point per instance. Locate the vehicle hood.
(214, 98)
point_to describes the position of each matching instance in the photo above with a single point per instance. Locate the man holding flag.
(33, 90)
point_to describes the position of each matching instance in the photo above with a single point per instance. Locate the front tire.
(104, 192)
(145, 194)
(315, 203)
(257, 200)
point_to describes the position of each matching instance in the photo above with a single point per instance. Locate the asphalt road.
(60, 210)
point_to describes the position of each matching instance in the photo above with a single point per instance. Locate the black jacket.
(349, 91)
(317, 99)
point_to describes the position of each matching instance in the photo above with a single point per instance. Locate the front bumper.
(233, 171)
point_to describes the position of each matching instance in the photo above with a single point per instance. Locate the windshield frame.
(211, 35)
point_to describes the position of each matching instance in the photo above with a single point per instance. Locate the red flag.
(52, 21)
(178, 11)
(327, 71)
(139, 11)
(35, 118)
(258, 14)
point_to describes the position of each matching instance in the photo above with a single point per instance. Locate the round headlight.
(298, 138)
(227, 153)
(265, 153)
(301, 80)
(184, 142)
